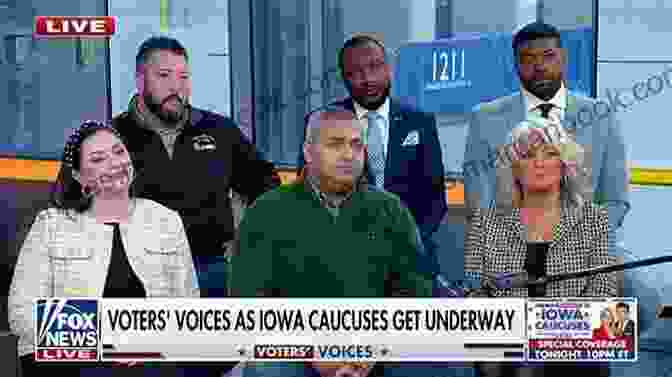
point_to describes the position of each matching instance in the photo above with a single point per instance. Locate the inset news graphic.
(581, 330)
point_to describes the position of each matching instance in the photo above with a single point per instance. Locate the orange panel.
(455, 194)
(29, 170)
(47, 171)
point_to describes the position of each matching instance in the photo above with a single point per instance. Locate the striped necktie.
(376, 153)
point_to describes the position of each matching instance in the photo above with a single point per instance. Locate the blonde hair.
(575, 184)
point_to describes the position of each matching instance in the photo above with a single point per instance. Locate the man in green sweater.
(329, 234)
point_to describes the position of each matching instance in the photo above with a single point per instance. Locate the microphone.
(521, 280)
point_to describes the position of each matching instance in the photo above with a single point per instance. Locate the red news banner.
(74, 26)
(580, 330)
(582, 349)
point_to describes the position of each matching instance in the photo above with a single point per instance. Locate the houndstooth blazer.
(497, 243)
(67, 255)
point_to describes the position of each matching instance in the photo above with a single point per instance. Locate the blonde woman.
(544, 222)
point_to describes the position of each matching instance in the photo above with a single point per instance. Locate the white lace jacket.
(68, 254)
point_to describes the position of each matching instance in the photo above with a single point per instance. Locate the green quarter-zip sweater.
(290, 245)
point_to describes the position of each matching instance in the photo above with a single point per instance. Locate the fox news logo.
(66, 329)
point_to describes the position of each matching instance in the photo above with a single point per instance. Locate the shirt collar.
(323, 197)
(312, 185)
(383, 110)
(532, 101)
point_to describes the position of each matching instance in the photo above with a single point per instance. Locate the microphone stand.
(521, 279)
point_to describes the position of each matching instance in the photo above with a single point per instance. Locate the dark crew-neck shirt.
(535, 265)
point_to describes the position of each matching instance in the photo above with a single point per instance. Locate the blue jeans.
(212, 274)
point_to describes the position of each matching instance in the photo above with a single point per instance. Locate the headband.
(74, 142)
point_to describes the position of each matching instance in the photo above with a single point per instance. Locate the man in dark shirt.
(628, 325)
(189, 159)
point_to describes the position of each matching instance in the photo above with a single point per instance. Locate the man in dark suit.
(623, 311)
(404, 154)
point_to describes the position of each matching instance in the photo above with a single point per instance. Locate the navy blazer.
(414, 173)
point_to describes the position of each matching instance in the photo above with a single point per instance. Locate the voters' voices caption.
(275, 320)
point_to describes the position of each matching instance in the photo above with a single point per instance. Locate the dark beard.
(546, 92)
(371, 106)
(156, 108)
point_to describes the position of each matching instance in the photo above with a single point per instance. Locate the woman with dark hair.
(97, 240)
